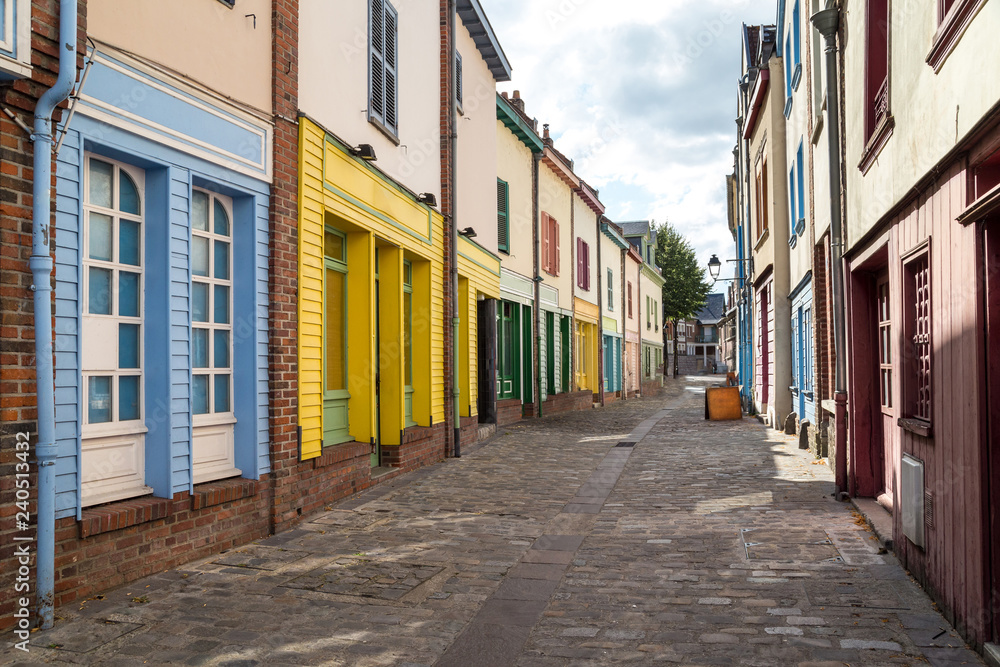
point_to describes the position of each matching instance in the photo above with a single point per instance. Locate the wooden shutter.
(579, 263)
(586, 267)
(382, 50)
(458, 78)
(546, 253)
(503, 228)
(555, 245)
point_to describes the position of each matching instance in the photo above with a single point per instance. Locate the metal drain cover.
(625, 443)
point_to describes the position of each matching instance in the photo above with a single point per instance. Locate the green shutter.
(503, 226)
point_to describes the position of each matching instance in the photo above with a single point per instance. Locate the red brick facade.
(565, 402)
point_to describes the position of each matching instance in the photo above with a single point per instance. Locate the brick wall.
(421, 446)
(651, 388)
(289, 474)
(508, 411)
(18, 411)
(561, 403)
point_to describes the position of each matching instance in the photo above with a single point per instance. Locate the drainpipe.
(827, 22)
(535, 159)
(599, 372)
(41, 275)
(453, 212)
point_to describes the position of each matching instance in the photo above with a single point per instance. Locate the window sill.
(122, 514)
(15, 68)
(793, 240)
(877, 142)
(917, 426)
(788, 107)
(761, 240)
(390, 135)
(800, 226)
(225, 491)
(341, 452)
(797, 77)
(950, 32)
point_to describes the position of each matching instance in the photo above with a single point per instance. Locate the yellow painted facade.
(388, 235)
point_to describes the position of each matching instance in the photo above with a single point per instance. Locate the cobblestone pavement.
(638, 534)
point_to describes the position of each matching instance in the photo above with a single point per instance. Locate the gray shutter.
(376, 60)
(503, 230)
(458, 78)
(391, 53)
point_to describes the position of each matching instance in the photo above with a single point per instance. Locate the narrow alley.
(638, 534)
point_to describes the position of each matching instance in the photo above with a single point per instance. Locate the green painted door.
(509, 345)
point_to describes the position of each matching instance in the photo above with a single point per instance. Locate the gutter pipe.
(41, 264)
(827, 21)
(453, 250)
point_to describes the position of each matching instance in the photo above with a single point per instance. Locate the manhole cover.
(625, 443)
(259, 557)
(789, 546)
(364, 578)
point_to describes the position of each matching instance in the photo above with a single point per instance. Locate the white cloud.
(642, 95)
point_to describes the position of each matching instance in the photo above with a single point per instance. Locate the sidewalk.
(636, 534)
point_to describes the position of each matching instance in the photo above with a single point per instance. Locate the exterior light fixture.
(714, 266)
(427, 198)
(365, 152)
(468, 232)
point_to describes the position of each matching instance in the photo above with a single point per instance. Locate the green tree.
(685, 290)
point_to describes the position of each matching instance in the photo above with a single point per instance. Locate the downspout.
(827, 21)
(624, 361)
(453, 250)
(599, 373)
(41, 275)
(537, 279)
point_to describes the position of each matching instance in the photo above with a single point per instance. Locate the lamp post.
(714, 266)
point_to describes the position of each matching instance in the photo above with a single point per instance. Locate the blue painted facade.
(180, 142)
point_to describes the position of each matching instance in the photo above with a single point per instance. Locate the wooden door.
(883, 454)
(992, 442)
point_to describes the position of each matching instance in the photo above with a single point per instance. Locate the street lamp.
(714, 266)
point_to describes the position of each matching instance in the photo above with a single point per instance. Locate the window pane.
(199, 302)
(221, 260)
(333, 246)
(128, 346)
(408, 337)
(128, 240)
(100, 237)
(199, 211)
(221, 219)
(100, 183)
(128, 294)
(221, 393)
(199, 256)
(199, 394)
(128, 397)
(221, 349)
(128, 194)
(334, 312)
(98, 400)
(199, 348)
(99, 291)
(221, 306)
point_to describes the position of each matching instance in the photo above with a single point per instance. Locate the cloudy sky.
(642, 94)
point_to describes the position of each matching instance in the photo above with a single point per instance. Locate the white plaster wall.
(611, 258)
(221, 48)
(932, 111)
(819, 174)
(585, 226)
(333, 84)
(477, 144)
(555, 198)
(514, 165)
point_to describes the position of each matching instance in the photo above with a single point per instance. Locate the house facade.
(921, 150)
(613, 248)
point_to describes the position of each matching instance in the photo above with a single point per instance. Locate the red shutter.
(555, 245)
(579, 263)
(586, 266)
(546, 253)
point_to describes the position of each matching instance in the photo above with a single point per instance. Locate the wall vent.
(911, 493)
(929, 509)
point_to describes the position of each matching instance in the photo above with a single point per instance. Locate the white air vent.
(911, 491)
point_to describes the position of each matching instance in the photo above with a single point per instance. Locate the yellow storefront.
(371, 302)
(588, 370)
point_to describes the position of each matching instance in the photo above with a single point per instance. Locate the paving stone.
(487, 560)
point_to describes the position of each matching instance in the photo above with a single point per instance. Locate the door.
(885, 425)
(336, 398)
(992, 443)
(508, 345)
(765, 350)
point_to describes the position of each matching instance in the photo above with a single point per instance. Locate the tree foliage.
(685, 290)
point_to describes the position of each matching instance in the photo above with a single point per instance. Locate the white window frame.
(214, 448)
(16, 37)
(113, 462)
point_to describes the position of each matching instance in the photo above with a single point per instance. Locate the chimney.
(517, 101)
(546, 139)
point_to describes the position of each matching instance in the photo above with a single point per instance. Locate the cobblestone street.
(636, 534)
